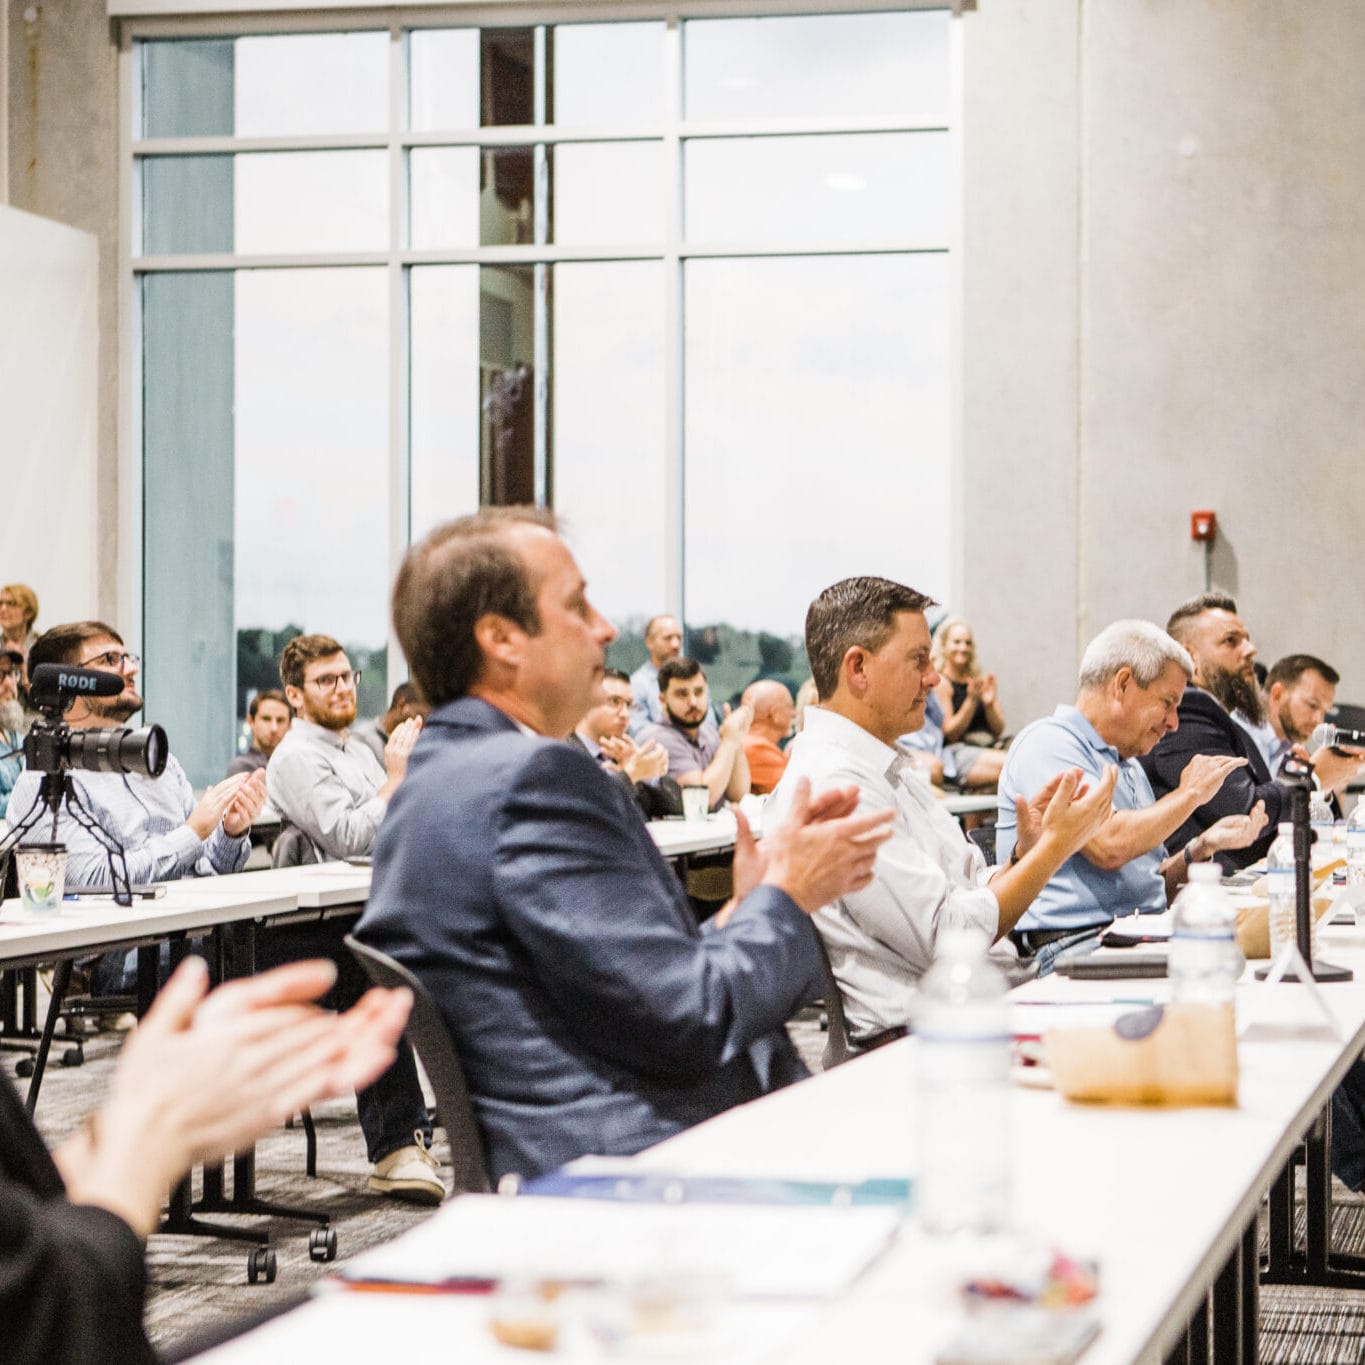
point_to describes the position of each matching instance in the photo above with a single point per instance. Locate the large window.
(685, 280)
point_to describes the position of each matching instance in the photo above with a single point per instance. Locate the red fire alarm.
(1204, 526)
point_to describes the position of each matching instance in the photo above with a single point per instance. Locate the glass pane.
(472, 196)
(312, 83)
(817, 408)
(278, 85)
(507, 384)
(828, 64)
(188, 397)
(507, 77)
(608, 192)
(444, 471)
(265, 201)
(849, 189)
(608, 383)
(312, 495)
(444, 78)
(608, 73)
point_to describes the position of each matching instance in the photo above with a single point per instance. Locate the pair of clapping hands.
(206, 1074)
(639, 762)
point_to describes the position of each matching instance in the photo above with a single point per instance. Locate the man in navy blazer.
(514, 878)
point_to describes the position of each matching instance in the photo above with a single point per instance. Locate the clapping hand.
(246, 805)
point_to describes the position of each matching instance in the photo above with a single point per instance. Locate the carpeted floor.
(200, 1284)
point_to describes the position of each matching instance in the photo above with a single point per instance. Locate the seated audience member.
(406, 704)
(972, 720)
(514, 877)
(1132, 678)
(270, 716)
(1224, 682)
(700, 753)
(201, 1076)
(18, 613)
(322, 778)
(925, 746)
(164, 831)
(663, 639)
(12, 724)
(1299, 691)
(868, 646)
(641, 770)
(774, 714)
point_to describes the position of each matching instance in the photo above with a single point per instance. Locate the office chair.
(435, 1048)
(293, 848)
(983, 836)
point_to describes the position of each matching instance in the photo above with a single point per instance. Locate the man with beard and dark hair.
(165, 833)
(323, 777)
(11, 720)
(1221, 648)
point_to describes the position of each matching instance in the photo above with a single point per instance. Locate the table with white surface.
(1166, 1199)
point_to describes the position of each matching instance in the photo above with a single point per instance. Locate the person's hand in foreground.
(205, 1074)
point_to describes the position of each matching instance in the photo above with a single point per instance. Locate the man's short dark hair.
(63, 644)
(1293, 666)
(461, 572)
(682, 668)
(405, 694)
(303, 650)
(1177, 627)
(268, 694)
(854, 611)
(616, 675)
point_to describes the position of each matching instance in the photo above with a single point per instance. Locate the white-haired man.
(1132, 678)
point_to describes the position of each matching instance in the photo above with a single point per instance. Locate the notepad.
(656, 1187)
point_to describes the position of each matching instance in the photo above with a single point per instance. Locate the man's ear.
(1122, 681)
(499, 638)
(853, 671)
(295, 695)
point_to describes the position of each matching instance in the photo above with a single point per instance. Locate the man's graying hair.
(1140, 645)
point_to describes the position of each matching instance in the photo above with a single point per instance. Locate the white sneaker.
(409, 1173)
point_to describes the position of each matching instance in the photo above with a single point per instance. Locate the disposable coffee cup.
(696, 802)
(41, 870)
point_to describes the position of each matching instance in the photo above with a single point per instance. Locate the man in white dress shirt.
(868, 645)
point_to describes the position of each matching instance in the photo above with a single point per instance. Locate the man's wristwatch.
(1189, 853)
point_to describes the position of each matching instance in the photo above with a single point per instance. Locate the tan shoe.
(409, 1173)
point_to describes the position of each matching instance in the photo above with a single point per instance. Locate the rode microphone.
(58, 685)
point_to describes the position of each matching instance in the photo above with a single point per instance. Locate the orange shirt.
(767, 763)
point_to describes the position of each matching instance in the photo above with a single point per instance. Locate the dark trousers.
(392, 1109)
(1348, 1128)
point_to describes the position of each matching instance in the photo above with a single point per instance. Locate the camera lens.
(118, 751)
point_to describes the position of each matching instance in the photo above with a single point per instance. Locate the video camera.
(52, 746)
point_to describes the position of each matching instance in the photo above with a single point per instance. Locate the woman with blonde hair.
(18, 612)
(972, 719)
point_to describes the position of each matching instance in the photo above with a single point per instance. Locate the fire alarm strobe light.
(1203, 526)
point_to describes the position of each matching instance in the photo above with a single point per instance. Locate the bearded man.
(1224, 681)
(323, 777)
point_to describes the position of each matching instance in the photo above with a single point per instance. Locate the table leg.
(61, 978)
(1251, 1301)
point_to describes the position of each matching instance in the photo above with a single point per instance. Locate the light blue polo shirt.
(1079, 893)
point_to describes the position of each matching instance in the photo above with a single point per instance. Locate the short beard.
(1235, 693)
(11, 717)
(116, 709)
(1287, 726)
(330, 721)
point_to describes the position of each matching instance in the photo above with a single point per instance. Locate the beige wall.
(1163, 286)
(1164, 309)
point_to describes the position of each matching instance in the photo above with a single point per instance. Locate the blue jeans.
(1076, 944)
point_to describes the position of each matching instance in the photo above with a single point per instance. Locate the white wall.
(49, 353)
(1164, 287)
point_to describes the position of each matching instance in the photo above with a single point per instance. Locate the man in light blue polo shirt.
(1131, 680)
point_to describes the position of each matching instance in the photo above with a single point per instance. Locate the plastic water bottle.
(1321, 821)
(1204, 961)
(1280, 883)
(962, 1028)
(1355, 845)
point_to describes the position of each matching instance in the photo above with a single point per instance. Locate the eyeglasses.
(116, 659)
(14, 673)
(329, 682)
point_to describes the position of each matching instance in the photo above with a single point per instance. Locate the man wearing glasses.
(11, 720)
(323, 778)
(165, 832)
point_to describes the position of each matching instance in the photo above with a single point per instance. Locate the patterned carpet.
(199, 1284)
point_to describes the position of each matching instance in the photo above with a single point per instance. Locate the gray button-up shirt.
(324, 781)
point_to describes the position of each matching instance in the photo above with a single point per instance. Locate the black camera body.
(52, 746)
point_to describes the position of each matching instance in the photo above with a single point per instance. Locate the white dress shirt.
(929, 875)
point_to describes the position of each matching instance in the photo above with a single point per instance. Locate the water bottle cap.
(1209, 873)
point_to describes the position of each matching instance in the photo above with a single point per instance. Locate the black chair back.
(983, 836)
(293, 848)
(431, 1041)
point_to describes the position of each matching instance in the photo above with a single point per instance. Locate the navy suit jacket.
(513, 876)
(1206, 728)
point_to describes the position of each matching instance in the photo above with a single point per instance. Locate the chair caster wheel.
(261, 1266)
(24, 1067)
(322, 1244)
(74, 1056)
